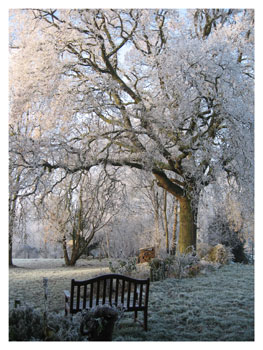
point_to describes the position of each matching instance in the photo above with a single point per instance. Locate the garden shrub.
(158, 269)
(219, 254)
(98, 322)
(176, 266)
(27, 324)
(182, 262)
(238, 251)
(61, 328)
(203, 249)
(127, 266)
(222, 232)
(193, 270)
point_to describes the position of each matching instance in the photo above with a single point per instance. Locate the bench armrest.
(67, 294)
(67, 298)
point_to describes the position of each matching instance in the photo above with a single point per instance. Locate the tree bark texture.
(10, 258)
(12, 213)
(166, 222)
(173, 244)
(65, 252)
(187, 231)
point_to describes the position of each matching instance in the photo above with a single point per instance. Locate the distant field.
(218, 306)
(26, 281)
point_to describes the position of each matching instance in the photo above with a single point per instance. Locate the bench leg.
(66, 312)
(145, 320)
(66, 309)
(135, 315)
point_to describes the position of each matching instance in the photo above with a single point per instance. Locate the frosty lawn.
(218, 306)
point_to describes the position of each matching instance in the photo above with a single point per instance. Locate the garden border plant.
(27, 324)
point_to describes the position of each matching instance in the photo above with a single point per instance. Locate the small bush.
(98, 322)
(158, 269)
(221, 232)
(182, 263)
(239, 253)
(27, 324)
(193, 270)
(172, 266)
(127, 266)
(61, 328)
(220, 254)
(203, 249)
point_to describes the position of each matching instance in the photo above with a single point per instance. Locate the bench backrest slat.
(110, 291)
(98, 292)
(78, 298)
(135, 294)
(71, 295)
(140, 298)
(91, 295)
(129, 294)
(116, 291)
(104, 291)
(85, 297)
(122, 291)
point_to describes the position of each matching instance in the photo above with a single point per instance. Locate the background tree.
(24, 181)
(228, 216)
(84, 205)
(160, 205)
(157, 90)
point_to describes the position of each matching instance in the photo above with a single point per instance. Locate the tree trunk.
(12, 208)
(78, 248)
(173, 245)
(156, 209)
(73, 259)
(157, 232)
(75, 255)
(108, 244)
(10, 258)
(64, 246)
(187, 232)
(165, 221)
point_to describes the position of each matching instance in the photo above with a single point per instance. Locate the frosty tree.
(78, 209)
(166, 91)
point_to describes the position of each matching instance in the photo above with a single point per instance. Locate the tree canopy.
(165, 91)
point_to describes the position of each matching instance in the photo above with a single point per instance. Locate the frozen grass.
(26, 281)
(218, 306)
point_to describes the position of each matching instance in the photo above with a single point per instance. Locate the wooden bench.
(112, 289)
